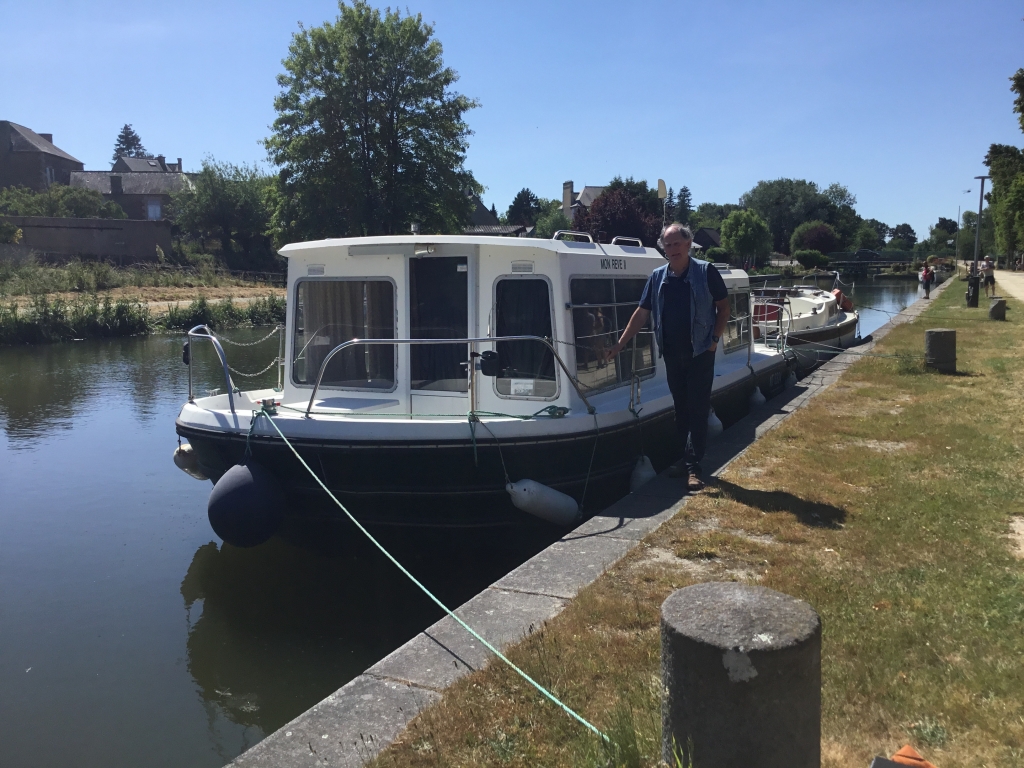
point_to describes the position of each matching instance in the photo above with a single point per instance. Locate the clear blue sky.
(896, 100)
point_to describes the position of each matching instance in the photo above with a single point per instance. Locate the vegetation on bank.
(47, 320)
(885, 503)
(27, 277)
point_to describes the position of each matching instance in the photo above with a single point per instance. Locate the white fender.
(757, 398)
(543, 502)
(186, 460)
(714, 424)
(643, 473)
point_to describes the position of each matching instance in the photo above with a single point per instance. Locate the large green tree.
(128, 144)
(711, 215)
(369, 134)
(814, 236)
(232, 204)
(746, 234)
(787, 203)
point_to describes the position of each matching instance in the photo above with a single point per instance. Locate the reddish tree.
(617, 212)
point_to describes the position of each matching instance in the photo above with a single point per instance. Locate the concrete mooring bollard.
(997, 309)
(741, 670)
(940, 349)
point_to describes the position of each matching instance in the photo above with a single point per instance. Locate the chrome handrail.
(574, 233)
(194, 334)
(618, 239)
(485, 340)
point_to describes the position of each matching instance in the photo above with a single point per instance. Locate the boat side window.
(329, 312)
(522, 307)
(737, 330)
(601, 308)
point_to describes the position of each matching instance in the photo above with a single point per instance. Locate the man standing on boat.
(690, 305)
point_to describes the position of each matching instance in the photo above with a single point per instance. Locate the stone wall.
(123, 241)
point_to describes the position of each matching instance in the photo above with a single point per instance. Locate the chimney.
(47, 136)
(181, 169)
(116, 190)
(163, 162)
(567, 199)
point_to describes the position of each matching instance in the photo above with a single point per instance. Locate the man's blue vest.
(702, 305)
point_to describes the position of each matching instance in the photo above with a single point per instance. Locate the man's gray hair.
(682, 229)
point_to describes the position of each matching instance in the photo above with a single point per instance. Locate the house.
(706, 237)
(572, 202)
(156, 164)
(142, 186)
(30, 159)
(483, 222)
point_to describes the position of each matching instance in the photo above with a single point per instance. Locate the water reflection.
(277, 628)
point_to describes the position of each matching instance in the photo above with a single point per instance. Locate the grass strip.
(887, 503)
(46, 320)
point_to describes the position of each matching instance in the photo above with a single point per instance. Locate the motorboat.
(816, 324)
(423, 377)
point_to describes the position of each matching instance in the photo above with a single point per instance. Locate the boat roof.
(556, 246)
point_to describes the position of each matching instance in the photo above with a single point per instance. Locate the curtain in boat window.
(601, 308)
(522, 307)
(329, 312)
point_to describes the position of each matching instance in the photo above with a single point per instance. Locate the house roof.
(26, 140)
(481, 216)
(706, 237)
(131, 183)
(138, 165)
(588, 195)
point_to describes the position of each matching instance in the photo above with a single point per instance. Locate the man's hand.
(713, 347)
(609, 352)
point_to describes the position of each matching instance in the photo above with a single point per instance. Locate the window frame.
(551, 315)
(570, 306)
(293, 315)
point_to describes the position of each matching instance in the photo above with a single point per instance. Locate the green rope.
(426, 591)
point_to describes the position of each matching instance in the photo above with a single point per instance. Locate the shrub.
(9, 234)
(811, 259)
(716, 255)
(814, 236)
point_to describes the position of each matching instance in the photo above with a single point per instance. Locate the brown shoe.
(694, 483)
(678, 470)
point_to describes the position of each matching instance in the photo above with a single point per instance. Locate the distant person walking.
(690, 305)
(988, 275)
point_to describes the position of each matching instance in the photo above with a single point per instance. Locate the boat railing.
(484, 340)
(782, 327)
(205, 332)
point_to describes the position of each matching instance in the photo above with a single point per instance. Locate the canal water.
(128, 634)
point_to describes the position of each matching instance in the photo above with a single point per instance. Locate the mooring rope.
(544, 691)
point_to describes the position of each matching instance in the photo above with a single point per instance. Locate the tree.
(867, 237)
(551, 219)
(525, 208)
(905, 234)
(60, 201)
(787, 203)
(1017, 86)
(128, 144)
(711, 215)
(884, 230)
(369, 134)
(1006, 165)
(494, 211)
(232, 204)
(619, 212)
(948, 225)
(814, 236)
(678, 207)
(745, 233)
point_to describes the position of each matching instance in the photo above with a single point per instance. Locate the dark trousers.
(690, 383)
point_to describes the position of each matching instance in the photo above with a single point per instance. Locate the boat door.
(439, 309)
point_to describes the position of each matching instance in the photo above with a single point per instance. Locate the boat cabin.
(574, 298)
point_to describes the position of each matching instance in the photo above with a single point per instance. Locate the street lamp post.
(974, 280)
